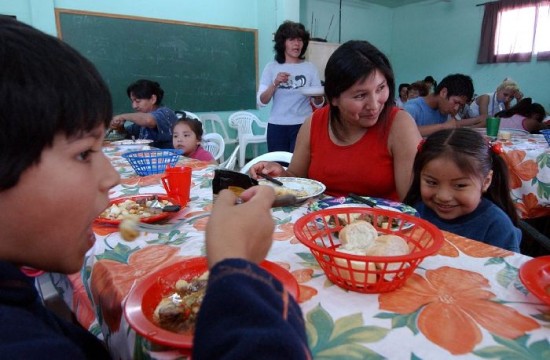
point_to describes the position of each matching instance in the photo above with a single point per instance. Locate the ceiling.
(395, 3)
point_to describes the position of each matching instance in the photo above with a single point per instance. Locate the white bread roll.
(358, 235)
(356, 265)
(389, 245)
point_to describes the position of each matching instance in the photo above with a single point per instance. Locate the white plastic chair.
(244, 122)
(231, 161)
(189, 114)
(279, 156)
(214, 144)
(212, 123)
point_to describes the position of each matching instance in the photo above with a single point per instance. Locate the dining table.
(527, 157)
(465, 301)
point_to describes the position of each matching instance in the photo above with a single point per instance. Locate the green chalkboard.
(200, 67)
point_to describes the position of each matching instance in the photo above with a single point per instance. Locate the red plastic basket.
(367, 274)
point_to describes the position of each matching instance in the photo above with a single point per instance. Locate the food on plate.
(361, 238)
(178, 311)
(359, 234)
(141, 208)
(128, 228)
(281, 190)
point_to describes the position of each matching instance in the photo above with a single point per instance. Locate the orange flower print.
(452, 304)
(82, 305)
(530, 207)
(519, 170)
(142, 181)
(112, 280)
(472, 248)
(284, 232)
(306, 293)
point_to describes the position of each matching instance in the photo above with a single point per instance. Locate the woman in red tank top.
(360, 142)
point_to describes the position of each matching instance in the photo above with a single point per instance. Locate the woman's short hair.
(289, 30)
(145, 89)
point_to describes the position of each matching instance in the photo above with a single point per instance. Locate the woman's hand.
(117, 122)
(281, 77)
(270, 168)
(243, 230)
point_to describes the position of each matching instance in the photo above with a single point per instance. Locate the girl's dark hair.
(474, 156)
(354, 61)
(289, 30)
(194, 124)
(430, 79)
(46, 88)
(525, 107)
(145, 89)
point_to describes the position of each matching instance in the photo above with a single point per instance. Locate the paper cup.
(177, 183)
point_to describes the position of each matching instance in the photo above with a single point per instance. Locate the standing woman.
(361, 142)
(151, 120)
(282, 80)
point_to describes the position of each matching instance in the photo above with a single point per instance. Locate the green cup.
(493, 123)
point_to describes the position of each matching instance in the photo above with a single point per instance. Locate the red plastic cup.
(177, 183)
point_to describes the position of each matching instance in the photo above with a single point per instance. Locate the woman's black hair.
(474, 156)
(145, 89)
(194, 124)
(289, 30)
(525, 107)
(46, 88)
(354, 61)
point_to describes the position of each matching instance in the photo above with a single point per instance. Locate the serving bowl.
(148, 162)
(319, 231)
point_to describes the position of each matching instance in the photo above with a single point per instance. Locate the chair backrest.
(243, 121)
(214, 144)
(189, 114)
(279, 156)
(212, 123)
(231, 161)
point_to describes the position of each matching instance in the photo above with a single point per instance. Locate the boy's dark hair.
(194, 124)
(457, 85)
(145, 89)
(289, 30)
(46, 88)
(353, 61)
(473, 155)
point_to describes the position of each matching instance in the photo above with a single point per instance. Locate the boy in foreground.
(55, 179)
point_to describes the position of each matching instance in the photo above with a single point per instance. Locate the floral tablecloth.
(528, 160)
(465, 301)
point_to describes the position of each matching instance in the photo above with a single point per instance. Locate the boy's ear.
(443, 93)
(487, 181)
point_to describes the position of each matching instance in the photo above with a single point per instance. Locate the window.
(514, 31)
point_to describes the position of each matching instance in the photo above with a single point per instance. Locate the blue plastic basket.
(546, 134)
(149, 162)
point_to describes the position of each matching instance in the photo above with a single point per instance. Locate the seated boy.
(436, 111)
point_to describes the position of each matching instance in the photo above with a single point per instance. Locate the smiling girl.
(461, 185)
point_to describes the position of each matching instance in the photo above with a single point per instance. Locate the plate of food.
(313, 90)
(535, 275)
(345, 202)
(132, 144)
(152, 306)
(137, 205)
(302, 188)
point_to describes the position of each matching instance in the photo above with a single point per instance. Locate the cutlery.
(270, 179)
(362, 200)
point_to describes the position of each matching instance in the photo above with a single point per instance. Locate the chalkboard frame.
(211, 95)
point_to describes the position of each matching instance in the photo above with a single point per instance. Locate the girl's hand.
(270, 168)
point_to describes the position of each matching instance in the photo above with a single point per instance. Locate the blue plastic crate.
(149, 162)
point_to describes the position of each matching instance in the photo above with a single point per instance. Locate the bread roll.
(389, 245)
(358, 277)
(358, 235)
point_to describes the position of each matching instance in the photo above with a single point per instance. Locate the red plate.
(145, 296)
(150, 219)
(535, 275)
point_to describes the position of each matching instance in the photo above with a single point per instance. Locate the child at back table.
(187, 136)
(460, 184)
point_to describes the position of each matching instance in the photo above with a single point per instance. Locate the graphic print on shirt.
(296, 83)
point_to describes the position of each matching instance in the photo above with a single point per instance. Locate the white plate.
(131, 144)
(306, 187)
(313, 90)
